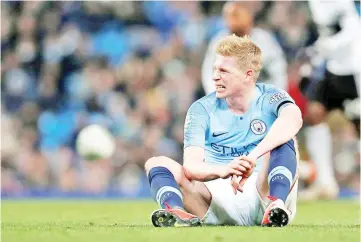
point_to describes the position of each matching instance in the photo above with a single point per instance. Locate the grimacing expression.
(228, 78)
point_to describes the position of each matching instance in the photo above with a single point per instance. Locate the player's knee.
(316, 113)
(152, 162)
(284, 156)
(162, 161)
(158, 161)
(284, 150)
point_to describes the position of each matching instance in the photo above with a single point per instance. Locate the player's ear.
(249, 75)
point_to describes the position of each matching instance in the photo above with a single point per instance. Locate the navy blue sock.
(164, 188)
(282, 170)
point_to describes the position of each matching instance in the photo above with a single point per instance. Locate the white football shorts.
(243, 209)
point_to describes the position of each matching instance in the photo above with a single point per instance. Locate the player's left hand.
(238, 182)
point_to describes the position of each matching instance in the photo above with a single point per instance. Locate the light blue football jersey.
(224, 135)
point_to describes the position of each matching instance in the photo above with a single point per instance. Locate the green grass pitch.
(90, 221)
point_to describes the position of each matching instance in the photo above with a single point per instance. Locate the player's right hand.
(238, 182)
(236, 167)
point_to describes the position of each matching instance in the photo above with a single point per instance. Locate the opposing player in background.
(239, 21)
(339, 44)
(242, 130)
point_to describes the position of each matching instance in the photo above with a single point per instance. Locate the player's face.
(228, 78)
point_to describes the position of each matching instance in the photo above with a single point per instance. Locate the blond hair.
(247, 53)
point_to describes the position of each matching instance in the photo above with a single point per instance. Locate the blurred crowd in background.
(133, 67)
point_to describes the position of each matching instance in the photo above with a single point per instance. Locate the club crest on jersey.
(258, 126)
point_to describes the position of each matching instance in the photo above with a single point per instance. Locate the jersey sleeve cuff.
(282, 105)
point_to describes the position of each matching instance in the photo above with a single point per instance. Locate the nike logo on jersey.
(216, 134)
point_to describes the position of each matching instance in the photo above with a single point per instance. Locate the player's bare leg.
(183, 202)
(276, 178)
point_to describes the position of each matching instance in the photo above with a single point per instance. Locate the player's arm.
(195, 127)
(285, 127)
(197, 169)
